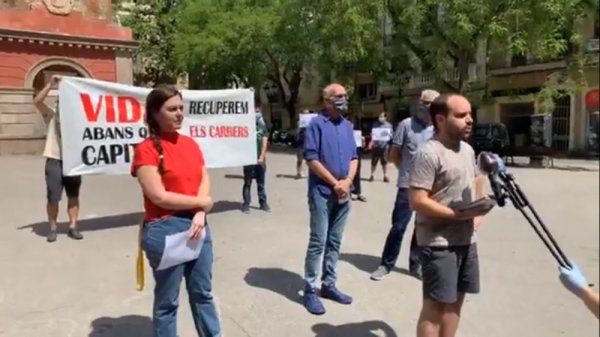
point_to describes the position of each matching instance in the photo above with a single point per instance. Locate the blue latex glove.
(573, 279)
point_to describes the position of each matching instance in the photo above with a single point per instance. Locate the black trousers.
(356, 182)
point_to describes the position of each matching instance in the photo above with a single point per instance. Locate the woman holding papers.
(171, 172)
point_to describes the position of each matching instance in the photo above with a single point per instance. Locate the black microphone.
(491, 164)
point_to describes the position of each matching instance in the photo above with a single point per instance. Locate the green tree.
(451, 34)
(154, 25)
(245, 42)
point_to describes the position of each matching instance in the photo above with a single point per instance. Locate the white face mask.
(382, 119)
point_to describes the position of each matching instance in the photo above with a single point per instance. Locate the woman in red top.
(171, 171)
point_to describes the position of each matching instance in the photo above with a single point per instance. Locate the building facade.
(40, 38)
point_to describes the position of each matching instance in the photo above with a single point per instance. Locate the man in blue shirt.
(330, 153)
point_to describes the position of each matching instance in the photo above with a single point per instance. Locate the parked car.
(283, 137)
(490, 137)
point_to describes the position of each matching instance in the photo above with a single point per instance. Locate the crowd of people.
(437, 176)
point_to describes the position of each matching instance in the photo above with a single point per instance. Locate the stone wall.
(22, 130)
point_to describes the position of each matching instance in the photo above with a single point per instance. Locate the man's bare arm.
(591, 300)
(39, 100)
(395, 155)
(421, 203)
(353, 168)
(265, 145)
(317, 168)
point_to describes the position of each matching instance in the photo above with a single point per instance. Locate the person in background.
(409, 135)
(300, 146)
(257, 171)
(356, 187)
(172, 174)
(380, 148)
(56, 181)
(444, 177)
(576, 283)
(330, 153)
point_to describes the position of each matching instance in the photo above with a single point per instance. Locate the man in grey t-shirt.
(410, 133)
(443, 177)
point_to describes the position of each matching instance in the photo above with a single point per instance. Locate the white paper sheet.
(305, 120)
(180, 249)
(381, 134)
(358, 138)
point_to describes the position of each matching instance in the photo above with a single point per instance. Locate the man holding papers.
(381, 134)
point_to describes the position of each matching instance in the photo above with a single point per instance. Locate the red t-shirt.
(183, 164)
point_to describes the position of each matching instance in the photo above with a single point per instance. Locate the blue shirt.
(331, 142)
(409, 135)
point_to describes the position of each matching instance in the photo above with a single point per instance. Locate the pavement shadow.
(368, 263)
(125, 326)
(287, 176)
(93, 224)
(223, 206)
(234, 176)
(277, 280)
(363, 329)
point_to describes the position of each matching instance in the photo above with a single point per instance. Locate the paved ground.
(87, 288)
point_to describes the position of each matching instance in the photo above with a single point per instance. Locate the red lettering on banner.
(228, 132)
(129, 109)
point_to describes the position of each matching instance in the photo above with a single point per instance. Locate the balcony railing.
(419, 80)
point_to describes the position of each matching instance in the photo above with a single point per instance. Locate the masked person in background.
(380, 148)
(257, 171)
(300, 146)
(360, 143)
(330, 153)
(56, 181)
(410, 133)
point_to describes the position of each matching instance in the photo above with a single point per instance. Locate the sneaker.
(371, 179)
(246, 209)
(386, 180)
(265, 208)
(379, 273)
(74, 234)
(332, 293)
(312, 303)
(51, 236)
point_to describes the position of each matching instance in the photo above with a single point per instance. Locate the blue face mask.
(341, 105)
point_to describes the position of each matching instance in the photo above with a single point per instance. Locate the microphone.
(492, 165)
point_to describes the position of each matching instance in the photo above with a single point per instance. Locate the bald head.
(335, 99)
(332, 90)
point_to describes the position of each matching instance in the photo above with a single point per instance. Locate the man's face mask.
(423, 113)
(341, 104)
(382, 119)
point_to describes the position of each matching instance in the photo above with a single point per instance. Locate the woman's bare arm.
(153, 188)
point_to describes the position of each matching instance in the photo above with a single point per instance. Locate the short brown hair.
(439, 106)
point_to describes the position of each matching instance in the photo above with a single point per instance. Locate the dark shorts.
(449, 271)
(56, 182)
(379, 154)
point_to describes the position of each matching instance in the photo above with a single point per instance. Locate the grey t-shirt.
(450, 177)
(409, 134)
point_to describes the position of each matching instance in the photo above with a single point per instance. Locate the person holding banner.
(257, 171)
(330, 154)
(381, 134)
(171, 171)
(56, 181)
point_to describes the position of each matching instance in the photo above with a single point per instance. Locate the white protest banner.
(358, 138)
(305, 120)
(381, 134)
(101, 122)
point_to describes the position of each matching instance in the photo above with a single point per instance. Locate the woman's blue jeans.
(198, 280)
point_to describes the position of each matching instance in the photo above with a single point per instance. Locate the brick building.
(39, 38)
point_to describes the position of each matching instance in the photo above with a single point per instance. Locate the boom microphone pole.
(504, 186)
